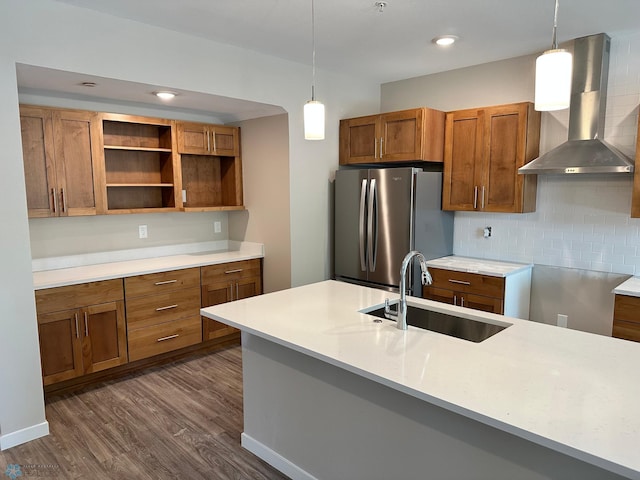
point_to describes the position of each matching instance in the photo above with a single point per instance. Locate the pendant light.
(553, 75)
(313, 110)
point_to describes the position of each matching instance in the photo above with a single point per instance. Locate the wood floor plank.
(181, 420)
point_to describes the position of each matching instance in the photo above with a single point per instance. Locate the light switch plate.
(142, 231)
(217, 227)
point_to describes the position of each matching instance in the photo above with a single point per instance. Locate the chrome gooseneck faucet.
(400, 315)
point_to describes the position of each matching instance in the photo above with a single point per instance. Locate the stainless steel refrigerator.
(382, 214)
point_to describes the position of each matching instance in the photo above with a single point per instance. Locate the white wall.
(265, 160)
(50, 34)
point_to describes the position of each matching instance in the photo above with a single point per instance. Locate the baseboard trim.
(23, 436)
(274, 459)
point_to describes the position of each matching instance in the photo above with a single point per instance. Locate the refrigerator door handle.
(361, 226)
(372, 226)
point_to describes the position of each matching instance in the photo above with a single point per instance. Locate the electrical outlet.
(217, 227)
(142, 231)
(562, 321)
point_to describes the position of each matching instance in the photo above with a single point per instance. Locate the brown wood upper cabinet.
(60, 150)
(484, 148)
(204, 139)
(81, 328)
(407, 135)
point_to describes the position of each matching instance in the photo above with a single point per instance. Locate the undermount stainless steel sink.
(460, 327)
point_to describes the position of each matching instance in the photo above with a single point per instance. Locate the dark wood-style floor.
(182, 420)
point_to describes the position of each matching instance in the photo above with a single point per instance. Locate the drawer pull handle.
(237, 270)
(168, 307)
(166, 282)
(461, 282)
(170, 337)
(77, 332)
(86, 325)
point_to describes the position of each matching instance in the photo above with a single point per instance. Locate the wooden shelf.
(137, 149)
(116, 185)
(212, 209)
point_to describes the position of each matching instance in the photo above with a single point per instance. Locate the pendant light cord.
(554, 38)
(313, 53)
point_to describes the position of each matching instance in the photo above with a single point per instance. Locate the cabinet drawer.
(468, 282)
(153, 283)
(230, 271)
(627, 308)
(76, 296)
(165, 337)
(163, 307)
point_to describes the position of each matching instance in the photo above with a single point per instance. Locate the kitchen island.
(330, 393)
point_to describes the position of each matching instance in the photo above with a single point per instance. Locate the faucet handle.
(388, 313)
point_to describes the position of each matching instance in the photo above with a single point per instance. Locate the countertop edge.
(457, 264)
(108, 271)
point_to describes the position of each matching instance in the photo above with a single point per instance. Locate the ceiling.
(354, 38)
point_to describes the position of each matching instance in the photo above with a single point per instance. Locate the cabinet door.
(504, 153)
(462, 188)
(359, 140)
(401, 135)
(104, 343)
(480, 302)
(38, 157)
(76, 142)
(193, 138)
(248, 287)
(439, 295)
(60, 346)
(215, 294)
(225, 141)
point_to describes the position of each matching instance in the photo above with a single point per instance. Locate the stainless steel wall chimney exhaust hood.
(585, 151)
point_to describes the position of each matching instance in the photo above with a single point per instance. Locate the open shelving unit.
(140, 164)
(211, 182)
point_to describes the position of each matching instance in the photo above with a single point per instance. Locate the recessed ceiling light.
(89, 84)
(164, 95)
(445, 40)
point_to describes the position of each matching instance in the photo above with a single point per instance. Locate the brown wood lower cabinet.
(471, 290)
(82, 328)
(225, 283)
(462, 299)
(78, 338)
(626, 318)
(163, 312)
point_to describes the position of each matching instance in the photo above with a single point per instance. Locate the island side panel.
(314, 420)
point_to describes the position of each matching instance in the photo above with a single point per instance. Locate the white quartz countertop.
(629, 287)
(59, 277)
(574, 392)
(492, 268)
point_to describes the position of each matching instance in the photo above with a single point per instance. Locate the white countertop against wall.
(570, 391)
(629, 287)
(493, 268)
(72, 270)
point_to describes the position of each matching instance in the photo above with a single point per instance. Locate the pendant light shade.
(553, 75)
(553, 80)
(313, 110)
(313, 120)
